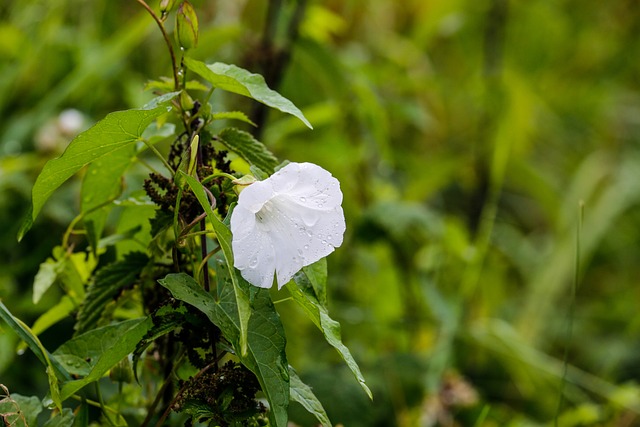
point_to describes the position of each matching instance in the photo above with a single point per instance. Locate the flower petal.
(253, 251)
(309, 185)
(286, 222)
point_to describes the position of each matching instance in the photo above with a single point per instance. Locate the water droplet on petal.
(324, 242)
(300, 252)
(309, 233)
(329, 237)
(310, 218)
(306, 247)
(254, 262)
(303, 199)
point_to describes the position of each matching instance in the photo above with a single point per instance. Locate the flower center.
(265, 212)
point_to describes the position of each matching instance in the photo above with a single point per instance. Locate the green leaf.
(223, 234)
(101, 184)
(301, 291)
(95, 352)
(25, 334)
(108, 282)
(235, 115)
(238, 80)
(317, 275)
(54, 388)
(64, 419)
(249, 148)
(302, 393)
(266, 356)
(117, 130)
(46, 277)
(21, 406)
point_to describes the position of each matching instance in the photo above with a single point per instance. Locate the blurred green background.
(466, 135)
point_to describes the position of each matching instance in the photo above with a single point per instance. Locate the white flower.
(289, 220)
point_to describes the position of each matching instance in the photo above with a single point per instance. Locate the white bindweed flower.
(289, 220)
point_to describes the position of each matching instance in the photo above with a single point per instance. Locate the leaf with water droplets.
(95, 352)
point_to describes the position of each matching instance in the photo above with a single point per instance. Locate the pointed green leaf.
(112, 133)
(302, 393)
(95, 352)
(301, 291)
(238, 80)
(249, 148)
(223, 235)
(46, 277)
(266, 356)
(25, 334)
(103, 183)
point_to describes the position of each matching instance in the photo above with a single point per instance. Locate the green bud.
(186, 26)
(166, 6)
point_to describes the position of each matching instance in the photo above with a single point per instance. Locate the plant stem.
(176, 81)
(160, 156)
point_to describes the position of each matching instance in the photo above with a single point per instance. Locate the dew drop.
(303, 199)
(310, 218)
(253, 263)
(329, 237)
(309, 233)
(306, 247)
(324, 242)
(300, 252)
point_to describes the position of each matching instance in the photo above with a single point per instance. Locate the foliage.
(488, 154)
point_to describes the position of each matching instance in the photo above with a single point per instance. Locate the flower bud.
(166, 6)
(186, 26)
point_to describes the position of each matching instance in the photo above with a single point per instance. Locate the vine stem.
(176, 81)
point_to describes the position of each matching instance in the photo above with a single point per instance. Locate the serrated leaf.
(34, 344)
(238, 80)
(107, 283)
(112, 133)
(301, 291)
(95, 352)
(234, 115)
(266, 356)
(223, 234)
(249, 148)
(302, 393)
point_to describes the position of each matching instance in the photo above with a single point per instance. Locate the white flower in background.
(288, 221)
